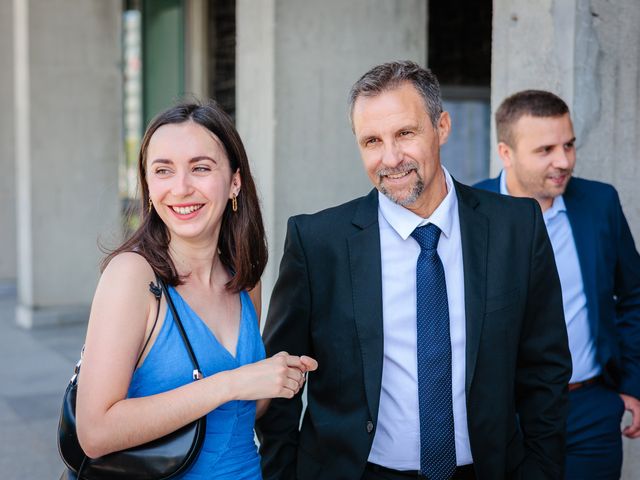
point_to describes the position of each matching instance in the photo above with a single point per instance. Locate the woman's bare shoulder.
(122, 303)
(127, 273)
(129, 265)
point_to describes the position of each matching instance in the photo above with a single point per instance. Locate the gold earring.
(234, 203)
(150, 205)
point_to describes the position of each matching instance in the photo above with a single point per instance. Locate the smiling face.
(190, 180)
(400, 148)
(543, 157)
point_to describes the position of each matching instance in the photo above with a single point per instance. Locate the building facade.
(75, 96)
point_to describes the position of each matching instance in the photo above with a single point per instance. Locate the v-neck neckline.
(235, 357)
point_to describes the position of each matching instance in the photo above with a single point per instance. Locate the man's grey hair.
(391, 75)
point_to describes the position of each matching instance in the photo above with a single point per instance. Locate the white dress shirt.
(397, 439)
(574, 301)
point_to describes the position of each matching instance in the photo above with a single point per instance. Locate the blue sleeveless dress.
(229, 451)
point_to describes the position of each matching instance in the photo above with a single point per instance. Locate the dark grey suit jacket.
(327, 303)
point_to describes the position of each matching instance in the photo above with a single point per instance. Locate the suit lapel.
(474, 232)
(366, 280)
(582, 230)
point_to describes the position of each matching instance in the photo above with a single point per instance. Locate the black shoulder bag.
(159, 459)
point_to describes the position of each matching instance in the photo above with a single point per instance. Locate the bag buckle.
(76, 369)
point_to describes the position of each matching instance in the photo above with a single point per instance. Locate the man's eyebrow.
(551, 145)
(365, 138)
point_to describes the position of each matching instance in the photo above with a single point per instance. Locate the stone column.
(587, 52)
(7, 162)
(68, 119)
(296, 61)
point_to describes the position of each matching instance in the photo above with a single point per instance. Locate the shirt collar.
(557, 206)
(503, 183)
(404, 221)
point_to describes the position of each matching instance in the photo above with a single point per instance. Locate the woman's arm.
(255, 294)
(262, 406)
(121, 311)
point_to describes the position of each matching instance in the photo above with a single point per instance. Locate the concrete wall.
(68, 123)
(607, 100)
(7, 163)
(296, 62)
(586, 51)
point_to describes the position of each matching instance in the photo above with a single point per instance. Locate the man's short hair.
(391, 75)
(536, 103)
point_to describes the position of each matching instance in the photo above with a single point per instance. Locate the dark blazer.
(327, 303)
(610, 267)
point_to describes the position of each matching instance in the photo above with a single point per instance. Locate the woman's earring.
(150, 205)
(234, 202)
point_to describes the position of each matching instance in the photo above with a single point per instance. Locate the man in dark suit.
(433, 309)
(599, 270)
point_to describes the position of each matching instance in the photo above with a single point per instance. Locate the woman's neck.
(200, 262)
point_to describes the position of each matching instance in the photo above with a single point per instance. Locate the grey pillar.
(587, 52)
(68, 141)
(7, 162)
(296, 60)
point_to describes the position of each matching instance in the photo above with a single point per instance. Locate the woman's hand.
(281, 376)
(308, 363)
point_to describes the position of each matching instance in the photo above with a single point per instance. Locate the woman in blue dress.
(201, 232)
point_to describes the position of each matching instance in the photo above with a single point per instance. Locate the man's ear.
(506, 154)
(444, 127)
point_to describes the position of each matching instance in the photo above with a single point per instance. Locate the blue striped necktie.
(437, 436)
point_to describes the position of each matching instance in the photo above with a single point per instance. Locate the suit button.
(369, 426)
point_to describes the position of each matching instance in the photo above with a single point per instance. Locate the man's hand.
(632, 404)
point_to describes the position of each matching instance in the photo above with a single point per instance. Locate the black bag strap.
(157, 292)
(197, 373)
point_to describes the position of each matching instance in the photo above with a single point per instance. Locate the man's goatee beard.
(414, 194)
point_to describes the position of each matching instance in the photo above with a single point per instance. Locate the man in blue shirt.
(599, 269)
